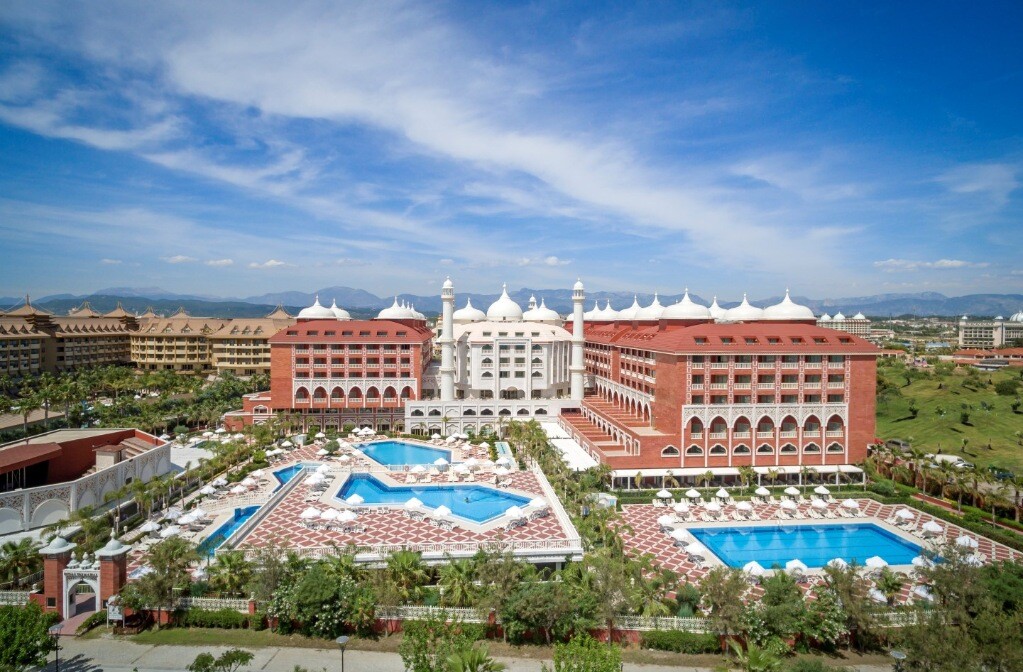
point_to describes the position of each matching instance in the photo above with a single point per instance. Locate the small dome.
(532, 303)
(632, 311)
(112, 548)
(744, 312)
(578, 286)
(468, 314)
(859, 316)
(686, 309)
(395, 312)
(339, 313)
(1015, 317)
(716, 311)
(504, 309)
(448, 284)
(787, 309)
(839, 317)
(592, 315)
(824, 318)
(316, 312)
(542, 314)
(999, 318)
(651, 312)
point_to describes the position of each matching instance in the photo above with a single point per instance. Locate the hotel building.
(986, 334)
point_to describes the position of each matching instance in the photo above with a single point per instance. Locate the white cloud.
(269, 263)
(996, 181)
(220, 262)
(913, 265)
(179, 259)
(446, 262)
(110, 262)
(351, 261)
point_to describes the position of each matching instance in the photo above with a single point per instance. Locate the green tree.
(19, 558)
(890, 584)
(24, 637)
(723, 589)
(169, 578)
(585, 654)
(474, 659)
(231, 573)
(611, 587)
(457, 582)
(228, 661)
(754, 658)
(408, 574)
(427, 644)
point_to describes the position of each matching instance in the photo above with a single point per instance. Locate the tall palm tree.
(457, 582)
(117, 496)
(231, 572)
(19, 558)
(28, 404)
(997, 497)
(408, 574)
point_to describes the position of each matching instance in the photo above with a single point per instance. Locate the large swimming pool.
(815, 545)
(472, 502)
(400, 452)
(211, 543)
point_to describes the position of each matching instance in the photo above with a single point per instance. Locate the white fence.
(213, 603)
(14, 597)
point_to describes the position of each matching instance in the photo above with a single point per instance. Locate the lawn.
(992, 431)
(214, 637)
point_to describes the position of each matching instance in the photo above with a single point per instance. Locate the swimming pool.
(400, 452)
(815, 545)
(472, 502)
(211, 543)
(286, 474)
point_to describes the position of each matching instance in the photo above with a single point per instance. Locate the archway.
(81, 595)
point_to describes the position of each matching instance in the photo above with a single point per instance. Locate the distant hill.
(361, 303)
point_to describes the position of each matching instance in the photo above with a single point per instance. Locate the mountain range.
(361, 303)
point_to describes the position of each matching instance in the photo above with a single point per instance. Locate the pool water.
(213, 542)
(815, 545)
(286, 474)
(472, 502)
(400, 452)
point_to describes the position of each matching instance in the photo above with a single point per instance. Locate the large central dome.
(504, 309)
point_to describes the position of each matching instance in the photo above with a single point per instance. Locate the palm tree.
(27, 405)
(475, 659)
(408, 574)
(889, 583)
(231, 573)
(117, 496)
(457, 582)
(747, 475)
(19, 558)
(1016, 483)
(753, 658)
(805, 472)
(997, 496)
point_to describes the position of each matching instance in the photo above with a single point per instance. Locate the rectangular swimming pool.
(211, 543)
(815, 545)
(400, 452)
(472, 502)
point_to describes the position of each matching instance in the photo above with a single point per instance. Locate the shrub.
(1007, 388)
(228, 619)
(883, 488)
(97, 619)
(680, 641)
(812, 665)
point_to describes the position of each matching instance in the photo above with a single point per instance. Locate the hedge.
(227, 619)
(681, 642)
(96, 619)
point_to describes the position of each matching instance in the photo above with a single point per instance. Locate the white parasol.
(753, 568)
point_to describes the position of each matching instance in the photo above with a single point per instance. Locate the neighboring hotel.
(684, 388)
(996, 333)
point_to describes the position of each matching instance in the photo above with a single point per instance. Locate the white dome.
(839, 317)
(859, 316)
(532, 303)
(744, 312)
(825, 318)
(541, 314)
(787, 310)
(592, 315)
(578, 285)
(316, 312)
(504, 309)
(395, 312)
(608, 314)
(716, 311)
(651, 312)
(632, 311)
(468, 314)
(1015, 317)
(339, 313)
(448, 284)
(686, 309)
(999, 318)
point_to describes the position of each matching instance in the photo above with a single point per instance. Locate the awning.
(27, 454)
(690, 471)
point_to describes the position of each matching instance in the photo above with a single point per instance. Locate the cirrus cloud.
(940, 264)
(220, 262)
(269, 263)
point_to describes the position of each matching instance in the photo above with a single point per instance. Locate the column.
(447, 342)
(56, 556)
(578, 366)
(113, 570)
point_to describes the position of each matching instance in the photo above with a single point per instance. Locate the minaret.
(447, 342)
(577, 368)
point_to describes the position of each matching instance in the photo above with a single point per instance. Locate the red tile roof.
(745, 337)
(379, 331)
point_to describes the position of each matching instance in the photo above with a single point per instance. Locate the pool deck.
(647, 537)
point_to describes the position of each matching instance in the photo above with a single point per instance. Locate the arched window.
(469, 411)
(302, 393)
(811, 448)
(541, 411)
(694, 450)
(523, 411)
(765, 449)
(337, 393)
(835, 448)
(537, 360)
(669, 451)
(487, 374)
(417, 413)
(718, 449)
(537, 374)
(741, 449)
(788, 449)
(260, 409)
(488, 360)
(372, 393)
(434, 413)
(355, 393)
(812, 425)
(486, 411)
(504, 411)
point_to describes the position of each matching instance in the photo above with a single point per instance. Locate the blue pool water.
(213, 542)
(815, 545)
(286, 474)
(399, 452)
(473, 502)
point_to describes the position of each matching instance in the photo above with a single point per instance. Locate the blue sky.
(233, 149)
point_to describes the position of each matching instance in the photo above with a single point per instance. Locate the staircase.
(133, 448)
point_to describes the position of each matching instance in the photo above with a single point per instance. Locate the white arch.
(50, 511)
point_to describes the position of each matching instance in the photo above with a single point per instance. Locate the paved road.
(99, 655)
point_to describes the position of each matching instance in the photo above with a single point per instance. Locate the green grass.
(215, 637)
(931, 430)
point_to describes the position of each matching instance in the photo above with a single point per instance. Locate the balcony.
(766, 435)
(742, 386)
(719, 365)
(788, 434)
(743, 365)
(717, 435)
(833, 385)
(765, 386)
(790, 386)
(790, 365)
(836, 365)
(697, 386)
(741, 435)
(696, 435)
(835, 432)
(719, 386)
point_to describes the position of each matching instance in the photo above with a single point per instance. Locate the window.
(698, 359)
(766, 359)
(741, 449)
(836, 398)
(697, 398)
(788, 449)
(835, 448)
(718, 450)
(694, 450)
(669, 451)
(764, 449)
(750, 340)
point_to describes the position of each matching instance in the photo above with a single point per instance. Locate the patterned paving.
(647, 537)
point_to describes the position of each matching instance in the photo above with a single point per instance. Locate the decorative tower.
(577, 368)
(447, 342)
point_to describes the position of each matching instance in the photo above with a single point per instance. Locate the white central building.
(500, 365)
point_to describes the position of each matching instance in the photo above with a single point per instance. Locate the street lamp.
(899, 656)
(54, 632)
(342, 641)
